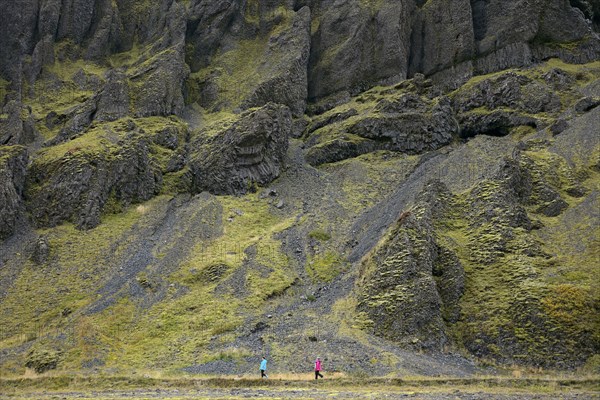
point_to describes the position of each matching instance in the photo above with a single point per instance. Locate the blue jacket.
(263, 365)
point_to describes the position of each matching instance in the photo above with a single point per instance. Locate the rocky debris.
(77, 184)
(13, 164)
(409, 279)
(249, 152)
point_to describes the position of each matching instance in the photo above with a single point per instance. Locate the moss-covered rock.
(42, 358)
(402, 118)
(74, 181)
(264, 59)
(510, 310)
(410, 284)
(250, 151)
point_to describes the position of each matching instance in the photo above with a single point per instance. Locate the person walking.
(318, 368)
(263, 368)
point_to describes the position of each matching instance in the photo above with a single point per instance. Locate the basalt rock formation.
(250, 151)
(13, 165)
(186, 184)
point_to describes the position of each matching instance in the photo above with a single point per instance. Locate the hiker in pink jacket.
(318, 368)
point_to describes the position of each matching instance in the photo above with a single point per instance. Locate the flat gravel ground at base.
(302, 394)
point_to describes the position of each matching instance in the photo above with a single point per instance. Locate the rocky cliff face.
(13, 164)
(410, 169)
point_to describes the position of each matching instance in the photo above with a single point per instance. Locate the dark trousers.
(318, 374)
(263, 374)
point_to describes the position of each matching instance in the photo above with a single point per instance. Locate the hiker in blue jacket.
(263, 368)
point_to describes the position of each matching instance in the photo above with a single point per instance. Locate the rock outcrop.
(454, 42)
(119, 101)
(261, 57)
(76, 180)
(358, 44)
(410, 285)
(13, 164)
(250, 151)
(402, 119)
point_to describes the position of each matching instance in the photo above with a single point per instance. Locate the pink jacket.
(318, 365)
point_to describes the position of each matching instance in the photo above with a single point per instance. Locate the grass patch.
(326, 267)
(319, 235)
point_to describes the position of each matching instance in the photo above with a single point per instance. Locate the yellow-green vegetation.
(62, 96)
(91, 144)
(581, 74)
(3, 91)
(373, 5)
(326, 266)
(177, 182)
(176, 332)
(173, 333)
(529, 296)
(351, 323)
(102, 140)
(249, 225)
(7, 152)
(234, 72)
(45, 301)
(255, 13)
(319, 235)
(369, 177)
(101, 387)
(126, 58)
